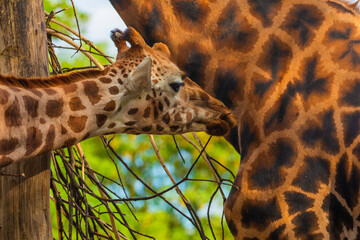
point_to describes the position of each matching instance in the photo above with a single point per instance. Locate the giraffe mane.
(53, 81)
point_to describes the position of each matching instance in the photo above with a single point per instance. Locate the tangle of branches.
(73, 180)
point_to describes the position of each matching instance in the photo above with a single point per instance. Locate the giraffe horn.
(117, 36)
(134, 38)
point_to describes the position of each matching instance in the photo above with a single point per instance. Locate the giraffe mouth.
(221, 126)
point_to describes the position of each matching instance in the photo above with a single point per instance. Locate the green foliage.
(66, 12)
(155, 217)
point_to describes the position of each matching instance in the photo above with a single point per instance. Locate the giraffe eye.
(176, 86)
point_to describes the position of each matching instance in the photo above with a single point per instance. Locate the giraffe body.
(290, 72)
(143, 92)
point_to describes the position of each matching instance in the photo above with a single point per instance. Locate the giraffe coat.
(289, 69)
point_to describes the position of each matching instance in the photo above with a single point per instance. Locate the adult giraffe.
(289, 69)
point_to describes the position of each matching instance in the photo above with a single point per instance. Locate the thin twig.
(79, 149)
(88, 42)
(77, 24)
(205, 158)
(72, 43)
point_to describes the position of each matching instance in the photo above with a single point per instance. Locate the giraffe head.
(158, 98)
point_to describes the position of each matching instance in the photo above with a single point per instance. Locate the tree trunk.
(24, 201)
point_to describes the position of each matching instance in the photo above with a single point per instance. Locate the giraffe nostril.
(224, 116)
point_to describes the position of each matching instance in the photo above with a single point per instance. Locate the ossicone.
(129, 35)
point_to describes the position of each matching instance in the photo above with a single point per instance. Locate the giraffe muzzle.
(222, 126)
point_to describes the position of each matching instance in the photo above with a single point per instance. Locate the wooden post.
(24, 201)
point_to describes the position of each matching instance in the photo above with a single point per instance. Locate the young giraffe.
(289, 69)
(142, 92)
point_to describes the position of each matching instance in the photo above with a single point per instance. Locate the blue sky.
(102, 19)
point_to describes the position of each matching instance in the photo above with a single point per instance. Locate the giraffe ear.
(162, 47)
(140, 78)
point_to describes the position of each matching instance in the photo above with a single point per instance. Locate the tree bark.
(24, 201)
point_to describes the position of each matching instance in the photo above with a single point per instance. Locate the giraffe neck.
(38, 119)
(290, 71)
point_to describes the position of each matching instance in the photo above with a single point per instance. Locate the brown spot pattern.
(75, 104)
(77, 124)
(275, 57)
(4, 96)
(265, 10)
(36, 92)
(147, 112)
(50, 91)
(114, 90)
(112, 125)
(133, 111)
(156, 112)
(130, 123)
(193, 12)
(63, 130)
(159, 128)
(100, 119)
(301, 23)
(69, 142)
(174, 128)
(188, 117)
(12, 114)
(108, 133)
(49, 142)
(92, 91)
(7, 146)
(69, 88)
(166, 118)
(147, 128)
(167, 101)
(33, 140)
(161, 106)
(178, 117)
(54, 108)
(128, 129)
(31, 106)
(110, 106)
(105, 80)
(235, 31)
